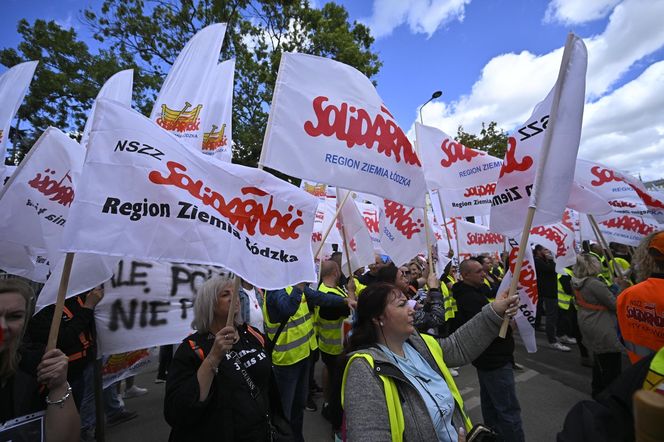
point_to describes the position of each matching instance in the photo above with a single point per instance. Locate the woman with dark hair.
(399, 378)
(20, 392)
(429, 314)
(219, 382)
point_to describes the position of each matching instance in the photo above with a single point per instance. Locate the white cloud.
(511, 84)
(572, 12)
(422, 16)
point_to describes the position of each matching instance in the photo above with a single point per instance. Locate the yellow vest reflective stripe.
(564, 299)
(297, 339)
(654, 380)
(488, 284)
(448, 302)
(621, 266)
(392, 400)
(359, 287)
(605, 274)
(330, 336)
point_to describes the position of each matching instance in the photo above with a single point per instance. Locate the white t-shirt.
(255, 318)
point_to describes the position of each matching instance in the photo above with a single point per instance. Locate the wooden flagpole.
(546, 146)
(343, 234)
(329, 228)
(428, 239)
(60, 302)
(236, 296)
(442, 211)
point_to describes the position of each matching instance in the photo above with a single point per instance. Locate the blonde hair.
(205, 301)
(587, 265)
(10, 358)
(642, 262)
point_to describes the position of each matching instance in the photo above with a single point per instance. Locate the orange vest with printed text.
(640, 310)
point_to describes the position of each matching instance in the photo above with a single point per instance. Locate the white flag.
(475, 239)
(560, 240)
(184, 98)
(325, 212)
(402, 231)
(118, 88)
(13, 86)
(144, 196)
(464, 177)
(34, 205)
(328, 124)
(528, 295)
(217, 120)
(351, 224)
(371, 215)
(623, 193)
(623, 229)
(439, 245)
(530, 177)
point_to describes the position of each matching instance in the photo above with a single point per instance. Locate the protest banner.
(358, 248)
(625, 195)
(148, 303)
(527, 291)
(537, 186)
(466, 177)
(120, 366)
(28, 428)
(13, 86)
(560, 240)
(144, 196)
(327, 123)
(185, 97)
(402, 233)
(119, 88)
(475, 239)
(319, 190)
(217, 120)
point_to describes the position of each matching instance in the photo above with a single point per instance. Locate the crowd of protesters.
(389, 338)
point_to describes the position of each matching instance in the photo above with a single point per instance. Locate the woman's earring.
(381, 323)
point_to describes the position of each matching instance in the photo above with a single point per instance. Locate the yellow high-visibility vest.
(297, 339)
(330, 336)
(564, 300)
(394, 410)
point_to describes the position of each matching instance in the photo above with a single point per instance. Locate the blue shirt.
(432, 388)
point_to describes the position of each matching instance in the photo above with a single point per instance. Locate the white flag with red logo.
(351, 224)
(328, 124)
(464, 177)
(325, 212)
(119, 88)
(34, 205)
(143, 195)
(527, 291)
(371, 215)
(625, 195)
(620, 228)
(13, 86)
(560, 240)
(530, 177)
(218, 118)
(475, 239)
(185, 97)
(402, 231)
(439, 245)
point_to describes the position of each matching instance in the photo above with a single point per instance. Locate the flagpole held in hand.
(234, 299)
(60, 302)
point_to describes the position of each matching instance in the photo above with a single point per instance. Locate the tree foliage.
(147, 35)
(491, 139)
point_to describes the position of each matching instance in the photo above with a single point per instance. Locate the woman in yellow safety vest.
(396, 385)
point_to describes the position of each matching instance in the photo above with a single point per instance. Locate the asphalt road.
(549, 385)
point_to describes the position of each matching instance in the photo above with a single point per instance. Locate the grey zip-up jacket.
(364, 398)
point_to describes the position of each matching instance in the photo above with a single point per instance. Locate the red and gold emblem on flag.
(186, 119)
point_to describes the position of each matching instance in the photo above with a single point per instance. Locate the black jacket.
(547, 278)
(229, 413)
(470, 301)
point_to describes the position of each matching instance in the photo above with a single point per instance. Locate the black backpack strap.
(272, 342)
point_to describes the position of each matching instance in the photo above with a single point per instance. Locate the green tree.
(491, 139)
(66, 81)
(152, 33)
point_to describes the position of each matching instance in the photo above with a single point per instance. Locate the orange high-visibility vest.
(640, 311)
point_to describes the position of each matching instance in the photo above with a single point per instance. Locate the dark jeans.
(568, 325)
(500, 407)
(606, 368)
(551, 311)
(293, 381)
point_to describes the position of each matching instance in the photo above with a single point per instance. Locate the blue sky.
(494, 60)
